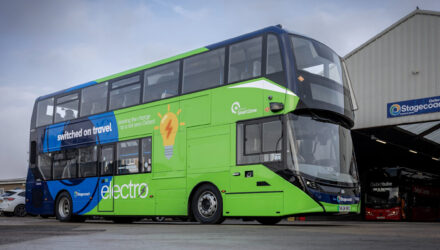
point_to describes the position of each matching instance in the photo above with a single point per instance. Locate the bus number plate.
(344, 209)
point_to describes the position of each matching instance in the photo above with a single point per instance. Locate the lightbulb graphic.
(169, 125)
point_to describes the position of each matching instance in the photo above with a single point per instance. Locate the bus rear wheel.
(207, 205)
(63, 207)
(269, 220)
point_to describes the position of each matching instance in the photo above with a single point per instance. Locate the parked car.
(12, 202)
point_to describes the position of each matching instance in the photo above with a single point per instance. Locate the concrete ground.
(38, 233)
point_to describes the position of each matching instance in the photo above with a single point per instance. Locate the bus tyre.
(269, 220)
(20, 211)
(207, 205)
(63, 207)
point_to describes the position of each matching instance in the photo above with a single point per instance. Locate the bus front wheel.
(207, 205)
(63, 207)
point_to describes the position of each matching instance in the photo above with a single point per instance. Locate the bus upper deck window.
(94, 99)
(44, 112)
(245, 59)
(66, 108)
(161, 82)
(125, 92)
(274, 64)
(203, 71)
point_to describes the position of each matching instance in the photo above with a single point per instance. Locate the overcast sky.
(47, 46)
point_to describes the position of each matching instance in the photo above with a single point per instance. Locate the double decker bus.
(397, 193)
(383, 195)
(255, 127)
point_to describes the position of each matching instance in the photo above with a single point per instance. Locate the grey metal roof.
(402, 20)
(434, 136)
(418, 128)
(13, 181)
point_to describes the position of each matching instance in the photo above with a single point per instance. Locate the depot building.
(395, 78)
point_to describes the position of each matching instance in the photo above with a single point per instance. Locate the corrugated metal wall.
(384, 71)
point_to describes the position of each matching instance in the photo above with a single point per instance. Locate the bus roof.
(273, 29)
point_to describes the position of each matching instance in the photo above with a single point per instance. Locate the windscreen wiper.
(328, 120)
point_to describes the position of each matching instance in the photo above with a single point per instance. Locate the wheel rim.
(64, 207)
(207, 204)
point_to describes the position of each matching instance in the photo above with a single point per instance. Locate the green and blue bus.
(254, 127)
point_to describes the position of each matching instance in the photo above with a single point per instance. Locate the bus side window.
(245, 60)
(259, 142)
(94, 99)
(66, 108)
(88, 158)
(146, 155)
(125, 92)
(59, 163)
(161, 82)
(274, 64)
(45, 166)
(45, 112)
(106, 161)
(128, 157)
(65, 164)
(203, 71)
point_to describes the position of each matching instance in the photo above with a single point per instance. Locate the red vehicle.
(402, 194)
(382, 199)
(424, 202)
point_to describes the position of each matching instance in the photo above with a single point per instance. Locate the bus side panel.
(131, 195)
(84, 192)
(169, 154)
(38, 199)
(254, 204)
(169, 175)
(265, 193)
(208, 156)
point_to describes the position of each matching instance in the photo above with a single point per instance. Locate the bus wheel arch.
(211, 212)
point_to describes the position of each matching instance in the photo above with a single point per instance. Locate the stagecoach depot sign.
(413, 107)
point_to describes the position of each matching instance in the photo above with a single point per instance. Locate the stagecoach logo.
(126, 191)
(413, 107)
(395, 109)
(78, 194)
(238, 110)
(342, 199)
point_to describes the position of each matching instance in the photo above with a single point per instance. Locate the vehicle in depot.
(402, 194)
(383, 195)
(254, 127)
(12, 202)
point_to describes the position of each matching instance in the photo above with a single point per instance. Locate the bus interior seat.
(256, 68)
(69, 115)
(233, 74)
(58, 117)
(203, 80)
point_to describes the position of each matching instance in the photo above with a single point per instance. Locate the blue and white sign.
(413, 107)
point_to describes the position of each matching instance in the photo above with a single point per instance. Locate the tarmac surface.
(39, 233)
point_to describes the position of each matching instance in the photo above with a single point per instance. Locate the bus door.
(253, 182)
(107, 163)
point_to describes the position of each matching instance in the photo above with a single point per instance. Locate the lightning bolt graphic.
(168, 129)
